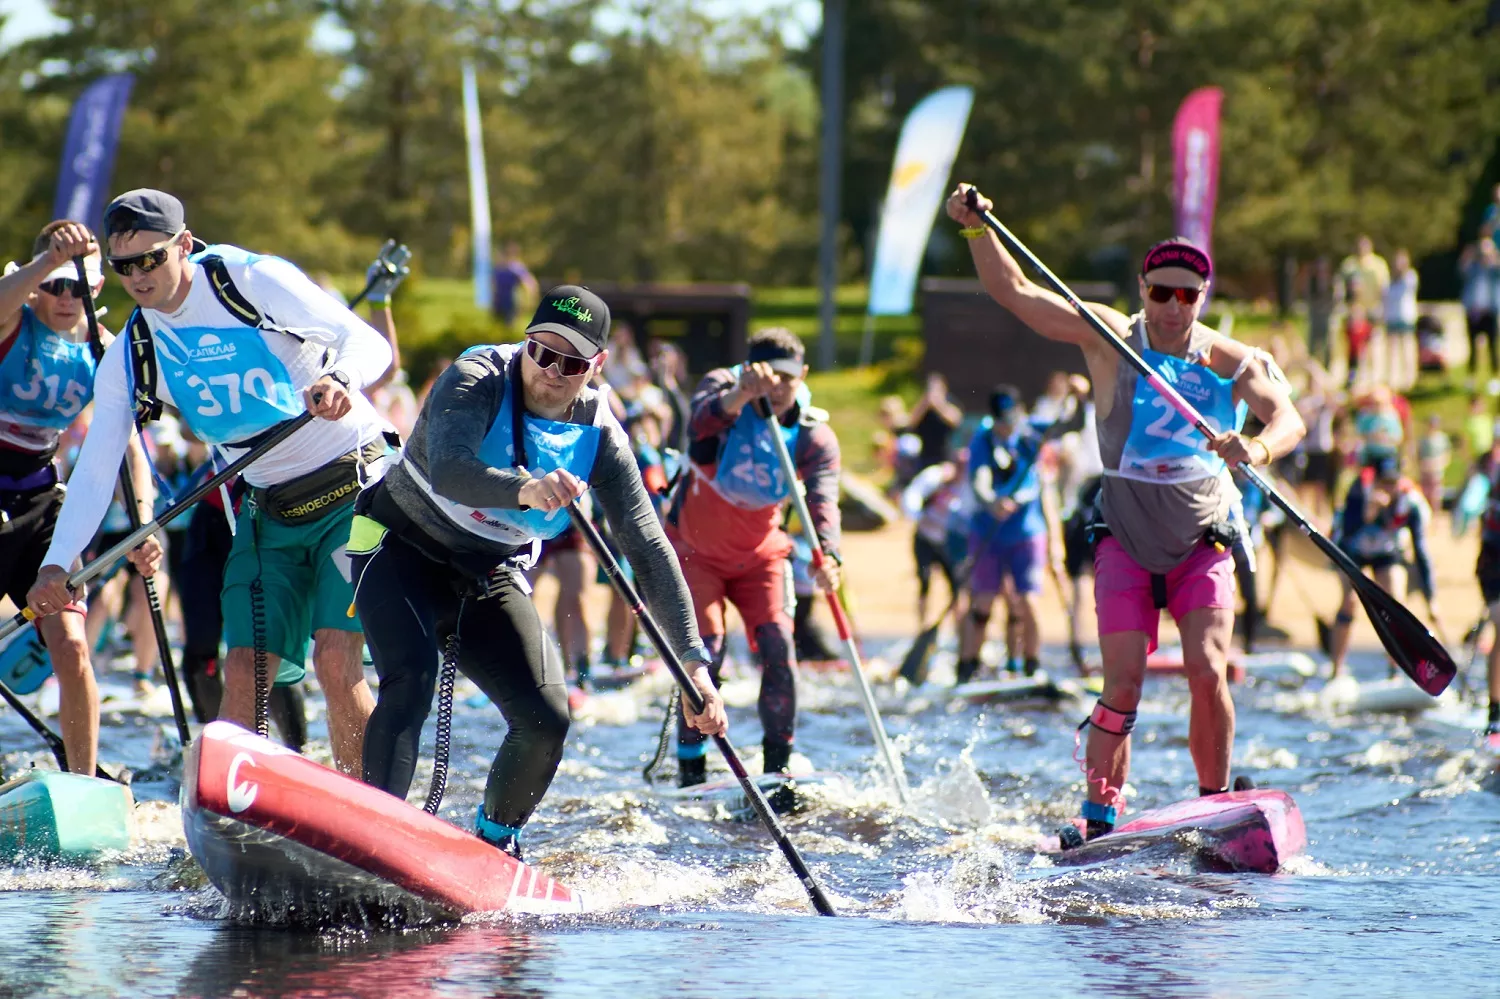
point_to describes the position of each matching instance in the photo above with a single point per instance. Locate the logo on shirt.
(211, 348)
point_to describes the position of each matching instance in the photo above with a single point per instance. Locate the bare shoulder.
(1097, 348)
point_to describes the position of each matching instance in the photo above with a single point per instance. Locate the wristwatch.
(337, 376)
(699, 654)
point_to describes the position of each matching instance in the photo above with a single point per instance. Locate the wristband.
(1264, 447)
(972, 232)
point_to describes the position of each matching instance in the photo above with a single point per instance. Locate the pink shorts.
(1122, 589)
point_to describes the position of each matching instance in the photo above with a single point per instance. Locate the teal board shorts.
(304, 574)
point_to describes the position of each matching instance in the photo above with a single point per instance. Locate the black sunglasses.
(145, 262)
(1161, 293)
(568, 365)
(58, 286)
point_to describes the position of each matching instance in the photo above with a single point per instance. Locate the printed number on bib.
(1187, 434)
(72, 394)
(257, 383)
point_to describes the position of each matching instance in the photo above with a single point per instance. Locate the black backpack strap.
(143, 369)
(235, 303)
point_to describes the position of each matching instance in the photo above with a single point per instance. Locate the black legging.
(409, 605)
(777, 704)
(1483, 324)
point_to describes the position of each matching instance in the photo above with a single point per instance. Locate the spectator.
(1480, 266)
(1320, 303)
(1383, 421)
(1479, 429)
(624, 367)
(669, 371)
(1489, 225)
(1366, 276)
(1318, 455)
(1400, 310)
(1058, 402)
(933, 419)
(887, 444)
(1434, 452)
(1357, 333)
(509, 275)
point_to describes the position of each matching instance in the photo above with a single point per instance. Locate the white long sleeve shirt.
(333, 339)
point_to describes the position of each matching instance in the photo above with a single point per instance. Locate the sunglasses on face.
(1161, 293)
(58, 286)
(145, 262)
(568, 365)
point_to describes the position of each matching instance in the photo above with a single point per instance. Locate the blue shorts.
(1022, 561)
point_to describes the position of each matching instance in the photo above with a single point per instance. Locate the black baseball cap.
(575, 314)
(146, 210)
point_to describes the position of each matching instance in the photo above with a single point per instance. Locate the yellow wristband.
(972, 232)
(1264, 447)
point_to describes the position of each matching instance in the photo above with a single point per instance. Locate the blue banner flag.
(919, 180)
(89, 154)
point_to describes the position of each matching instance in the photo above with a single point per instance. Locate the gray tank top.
(1158, 524)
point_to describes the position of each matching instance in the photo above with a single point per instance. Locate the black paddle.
(129, 497)
(133, 540)
(695, 697)
(52, 739)
(1406, 639)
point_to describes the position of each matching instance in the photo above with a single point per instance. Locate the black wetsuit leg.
(200, 580)
(408, 605)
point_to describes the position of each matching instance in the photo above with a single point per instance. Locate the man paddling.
(1167, 495)
(725, 520)
(46, 379)
(508, 437)
(238, 343)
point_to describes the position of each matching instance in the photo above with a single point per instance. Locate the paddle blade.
(1415, 649)
(918, 661)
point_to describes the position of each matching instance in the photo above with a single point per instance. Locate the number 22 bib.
(1163, 446)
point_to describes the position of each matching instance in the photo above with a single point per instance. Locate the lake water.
(1393, 897)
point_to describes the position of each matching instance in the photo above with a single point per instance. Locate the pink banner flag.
(1195, 156)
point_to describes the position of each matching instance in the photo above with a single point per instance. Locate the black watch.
(337, 376)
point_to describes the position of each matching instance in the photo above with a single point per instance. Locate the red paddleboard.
(284, 838)
(1255, 830)
(1169, 662)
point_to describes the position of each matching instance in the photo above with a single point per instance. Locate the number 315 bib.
(1163, 446)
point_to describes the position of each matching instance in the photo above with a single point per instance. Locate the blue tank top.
(550, 445)
(1163, 446)
(47, 379)
(750, 474)
(226, 381)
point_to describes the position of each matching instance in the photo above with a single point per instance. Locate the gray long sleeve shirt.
(444, 449)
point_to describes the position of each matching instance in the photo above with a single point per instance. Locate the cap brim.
(68, 270)
(789, 366)
(1175, 277)
(582, 344)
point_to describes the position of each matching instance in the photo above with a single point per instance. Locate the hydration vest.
(749, 473)
(262, 396)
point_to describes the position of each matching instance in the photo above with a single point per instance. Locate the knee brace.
(980, 619)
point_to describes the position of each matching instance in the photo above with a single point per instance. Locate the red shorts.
(1122, 589)
(761, 592)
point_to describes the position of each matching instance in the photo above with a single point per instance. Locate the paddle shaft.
(129, 497)
(52, 739)
(133, 540)
(1432, 668)
(695, 698)
(836, 606)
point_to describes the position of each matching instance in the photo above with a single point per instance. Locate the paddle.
(695, 697)
(52, 739)
(133, 540)
(836, 605)
(128, 494)
(1408, 642)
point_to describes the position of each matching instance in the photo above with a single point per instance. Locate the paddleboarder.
(1381, 506)
(240, 342)
(725, 523)
(46, 379)
(507, 438)
(1480, 500)
(1166, 535)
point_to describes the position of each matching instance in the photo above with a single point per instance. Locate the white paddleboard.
(1397, 695)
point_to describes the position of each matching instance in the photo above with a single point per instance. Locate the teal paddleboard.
(52, 815)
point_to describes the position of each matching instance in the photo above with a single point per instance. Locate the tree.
(231, 111)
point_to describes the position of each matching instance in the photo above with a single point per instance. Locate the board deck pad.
(1257, 831)
(284, 838)
(49, 815)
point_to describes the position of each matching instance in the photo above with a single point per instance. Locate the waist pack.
(319, 492)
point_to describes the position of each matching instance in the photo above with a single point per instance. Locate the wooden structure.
(976, 344)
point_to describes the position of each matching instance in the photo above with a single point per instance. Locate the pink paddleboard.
(1255, 830)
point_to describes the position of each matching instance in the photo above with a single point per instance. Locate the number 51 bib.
(1163, 446)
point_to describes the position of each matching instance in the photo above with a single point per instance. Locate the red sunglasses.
(1161, 293)
(568, 365)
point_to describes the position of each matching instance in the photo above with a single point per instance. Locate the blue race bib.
(46, 379)
(750, 475)
(1162, 445)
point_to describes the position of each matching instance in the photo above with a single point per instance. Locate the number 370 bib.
(227, 383)
(1165, 447)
